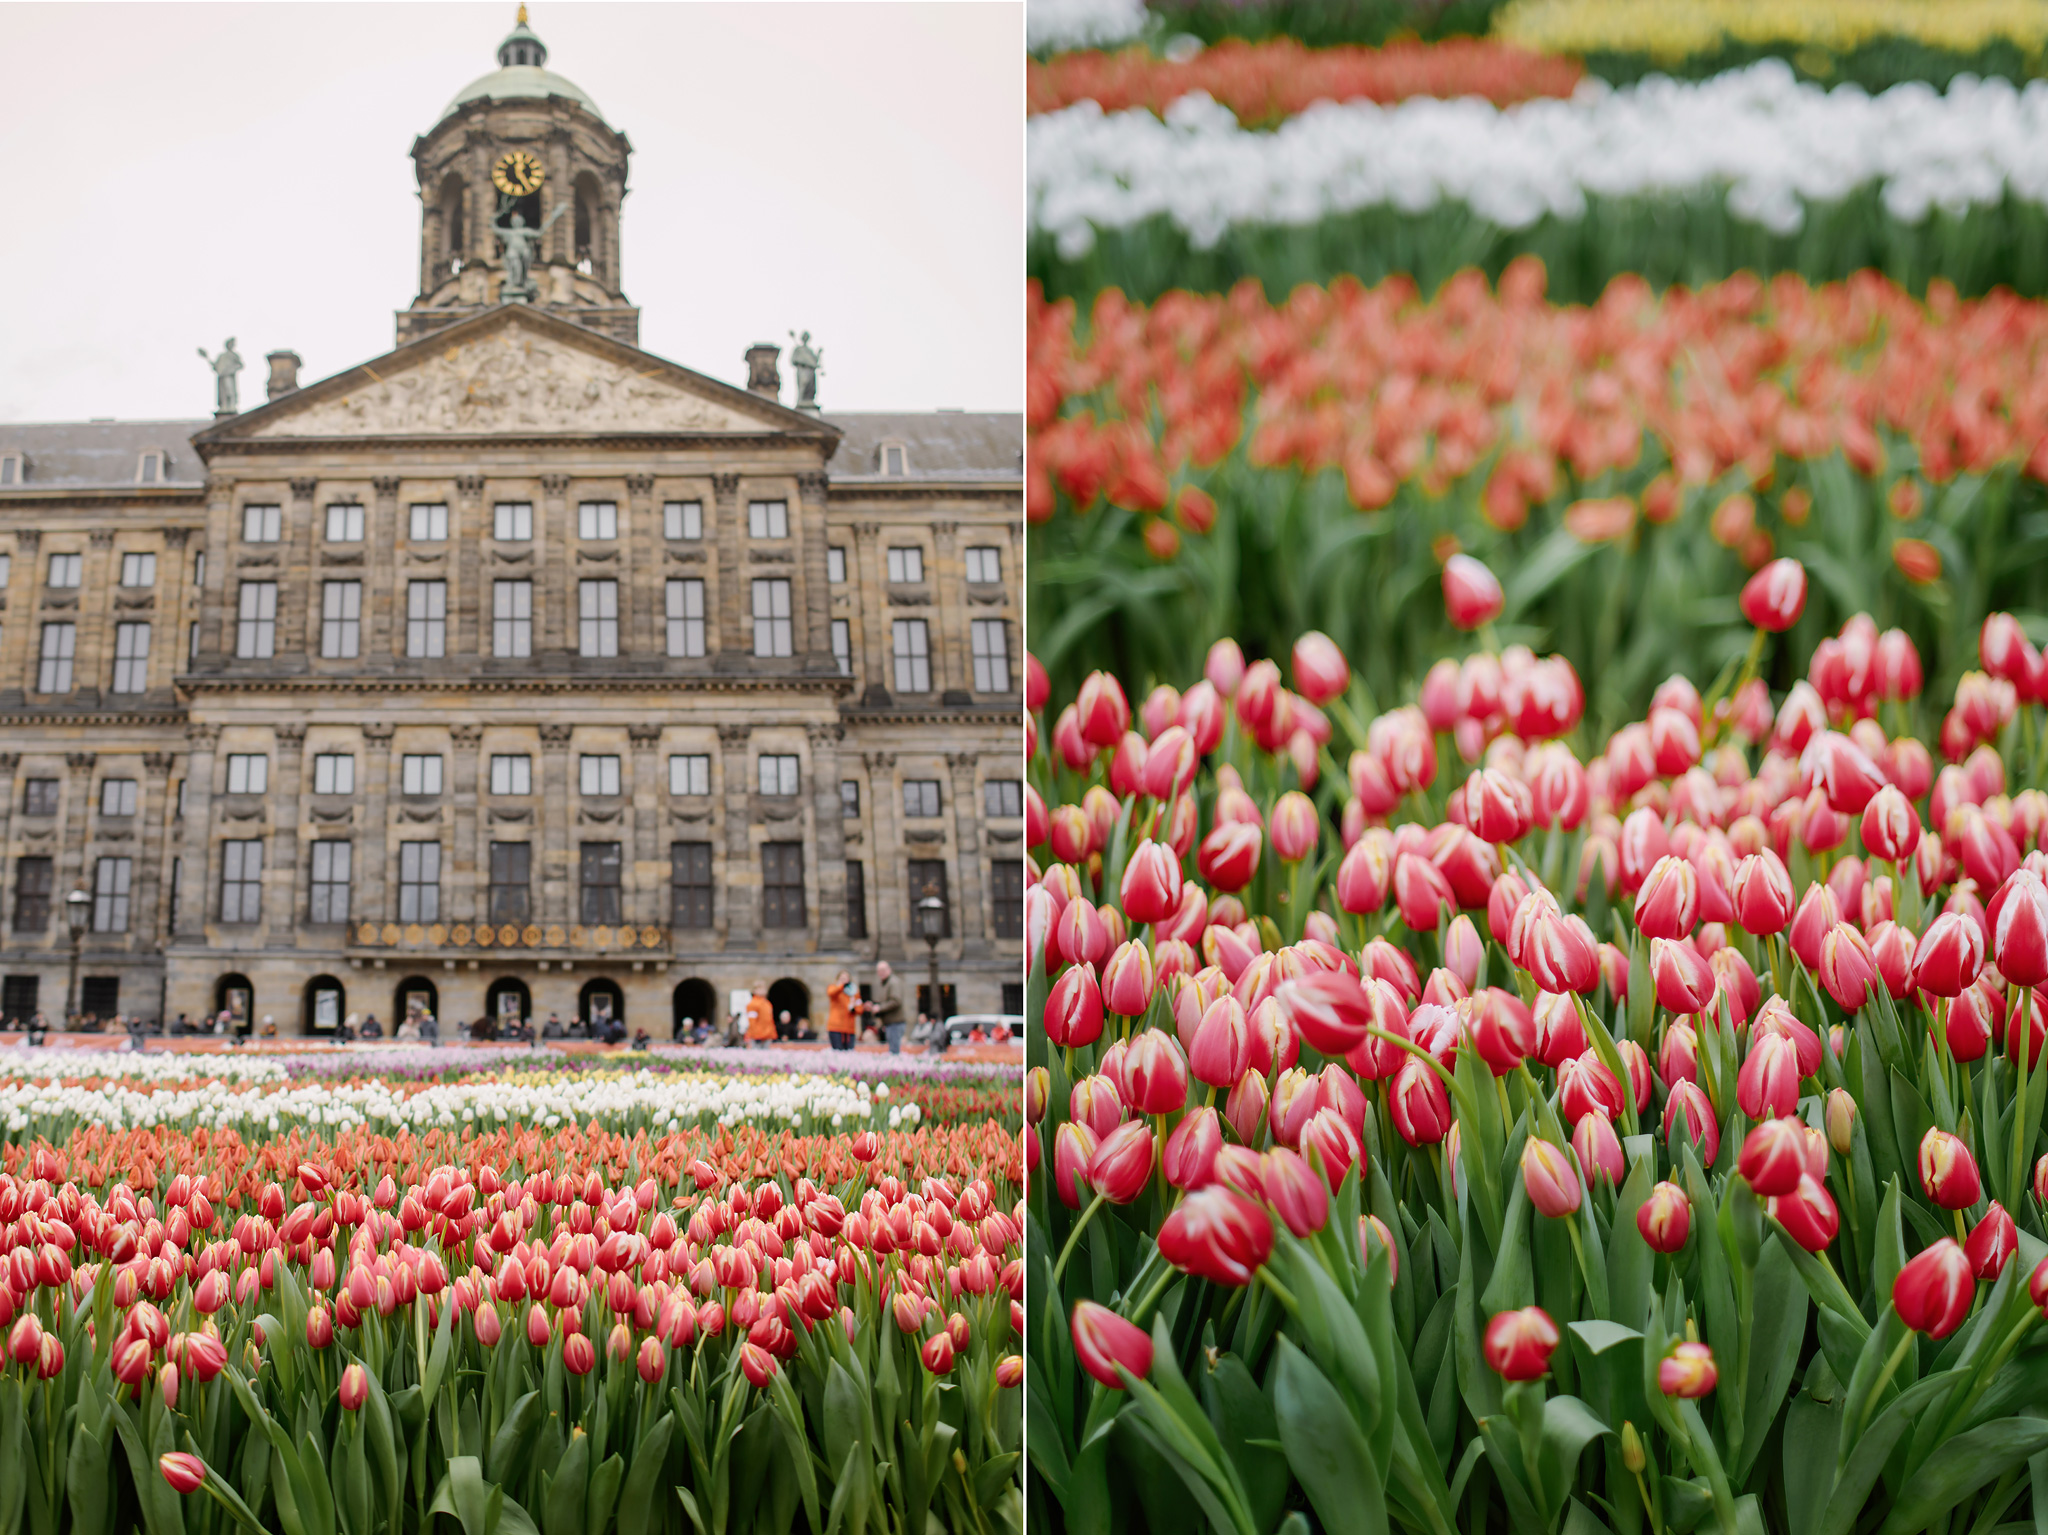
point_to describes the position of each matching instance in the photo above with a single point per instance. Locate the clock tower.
(521, 144)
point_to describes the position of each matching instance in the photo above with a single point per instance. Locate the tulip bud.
(1688, 1371)
(2019, 937)
(1104, 1341)
(1665, 1218)
(1632, 1453)
(186, 1473)
(1472, 594)
(1992, 1243)
(1947, 1170)
(1598, 1149)
(1518, 1344)
(1934, 1290)
(1299, 1196)
(1773, 1157)
(1217, 1234)
(1373, 1239)
(1688, 1104)
(355, 1388)
(1010, 1371)
(1841, 1120)
(1550, 1179)
(1775, 596)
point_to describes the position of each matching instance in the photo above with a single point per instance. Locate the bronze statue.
(807, 363)
(226, 365)
(520, 243)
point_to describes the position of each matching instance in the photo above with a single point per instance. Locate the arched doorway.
(695, 1002)
(233, 995)
(600, 1002)
(790, 996)
(508, 1001)
(416, 995)
(326, 1004)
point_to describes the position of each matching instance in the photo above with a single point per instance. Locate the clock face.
(517, 174)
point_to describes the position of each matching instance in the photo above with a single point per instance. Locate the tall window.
(191, 643)
(686, 618)
(66, 569)
(429, 523)
(39, 796)
(894, 459)
(1002, 798)
(256, 621)
(511, 618)
(600, 882)
(341, 619)
(768, 519)
(597, 520)
(131, 658)
(330, 882)
(110, 878)
(60, 641)
(984, 564)
(682, 519)
(913, 656)
(117, 796)
(927, 878)
(150, 472)
(513, 522)
(771, 618)
(241, 881)
(344, 524)
(419, 881)
(512, 775)
(33, 879)
(842, 646)
(921, 797)
(690, 884)
(334, 773)
(426, 618)
(248, 773)
(782, 884)
(262, 524)
(598, 774)
(849, 797)
(1006, 890)
(778, 776)
(689, 775)
(906, 565)
(6, 564)
(991, 639)
(835, 565)
(420, 774)
(138, 570)
(511, 881)
(597, 607)
(856, 899)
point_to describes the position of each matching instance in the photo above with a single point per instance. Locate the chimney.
(762, 376)
(284, 373)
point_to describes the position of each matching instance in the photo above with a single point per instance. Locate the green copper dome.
(520, 75)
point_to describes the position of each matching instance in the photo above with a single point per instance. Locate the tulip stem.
(1884, 1378)
(1285, 1297)
(1074, 1236)
(2023, 1026)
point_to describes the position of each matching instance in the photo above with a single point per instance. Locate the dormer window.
(150, 469)
(12, 470)
(892, 458)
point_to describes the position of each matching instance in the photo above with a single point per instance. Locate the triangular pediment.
(518, 372)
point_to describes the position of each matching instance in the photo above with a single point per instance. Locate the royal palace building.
(517, 670)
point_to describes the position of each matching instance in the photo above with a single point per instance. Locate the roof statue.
(807, 363)
(226, 364)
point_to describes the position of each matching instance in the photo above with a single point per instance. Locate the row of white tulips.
(1768, 143)
(1053, 26)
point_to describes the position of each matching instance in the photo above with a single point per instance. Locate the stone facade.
(515, 663)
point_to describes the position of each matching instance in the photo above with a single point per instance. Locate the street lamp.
(78, 917)
(931, 921)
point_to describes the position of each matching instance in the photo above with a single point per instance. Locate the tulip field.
(1538, 768)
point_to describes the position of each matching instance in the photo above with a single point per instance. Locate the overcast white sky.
(180, 173)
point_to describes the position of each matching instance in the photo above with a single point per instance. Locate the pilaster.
(741, 887)
(298, 604)
(968, 924)
(554, 873)
(553, 580)
(735, 631)
(382, 599)
(642, 901)
(464, 902)
(281, 903)
(641, 580)
(149, 918)
(197, 876)
(373, 848)
(471, 597)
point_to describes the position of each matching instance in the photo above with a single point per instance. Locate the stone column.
(830, 916)
(431, 236)
(551, 837)
(10, 765)
(735, 627)
(281, 874)
(196, 878)
(968, 924)
(643, 901)
(149, 920)
(641, 580)
(93, 667)
(813, 589)
(889, 878)
(168, 648)
(741, 886)
(381, 628)
(216, 633)
(298, 602)
(462, 887)
(870, 585)
(373, 847)
(471, 598)
(554, 579)
(18, 639)
(952, 656)
(79, 811)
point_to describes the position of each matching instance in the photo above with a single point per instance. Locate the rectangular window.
(856, 899)
(110, 877)
(138, 570)
(1006, 893)
(33, 880)
(241, 881)
(984, 564)
(513, 522)
(511, 881)
(248, 773)
(835, 565)
(689, 775)
(778, 776)
(191, 643)
(682, 519)
(597, 520)
(66, 569)
(60, 641)
(849, 797)
(928, 878)
(512, 775)
(782, 884)
(921, 797)
(690, 884)
(893, 459)
(181, 797)
(341, 619)
(686, 618)
(1002, 798)
(842, 645)
(131, 658)
(262, 524)
(10, 469)
(598, 775)
(177, 885)
(39, 797)
(256, 621)
(511, 618)
(330, 882)
(913, 658)
(429, 523)
(344, 524)
(334, 773)
(906, 565)
(991, 638)
(600, 882)
(768, 519)
(426, 618)
(20, 996)
(199, 570)
(117, 796)
(151, 471)
(420, 774)
(597, 609)
(771, 618)
(6, 568)
(419, 881)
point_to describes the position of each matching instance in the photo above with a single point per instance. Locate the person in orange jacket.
(839, 1020)
(760, 1018)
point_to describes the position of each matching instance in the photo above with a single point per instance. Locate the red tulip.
(1892, 948)
(1217, 1234)
(1497, 808)
(1121, 1164)
(1320, 670)
(1685, 981)
(1221, 1050)
(355, 1388)
(1665, 1218)
(2019, 935)
(1762, 892)
(1557, 950)
(1934, 1290)
(1073, 1147)
(1668, 903)
(1947, 1170)
(1419, 1104)
(1773, 1156)
(1151, 884)
(936, 1354)
(1891, 827)
(1188, 1159)
(1472, 595)
(1127, 980)
(1103, 713)
(1518, 1344)
(1687, 1371)
(1689, 1103)
(1155, 1075)
(756, 1363)
(1295, 1191)
(1501, 1029)
(1598, 1149)
(1949, 956)
(186, 1473)
(1807, 1213)
(1295, 827)
(1844, 771)
(1767, 1083)
(1104, 1343)
(1585, 1086)
(1848, 969)
(1775, 596)
(1560, 1034)
(1073, 1009)
(1993, 1241)
(1818, 913)
(1229, 855)
(1328, 1007)
(1550, 1179)
(1464, 950)
(1421, 892)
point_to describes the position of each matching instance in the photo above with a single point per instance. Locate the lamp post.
(931, 921)
(77, 917)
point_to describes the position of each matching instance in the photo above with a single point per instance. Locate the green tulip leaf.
(1962, 1465)
(1325, 1448)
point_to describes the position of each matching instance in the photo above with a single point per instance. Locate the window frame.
(113, 877)
(928, 869)
(322, 898)
(436, 773)
(678, 518)
(35, 886)
(776, 769)
(339, 766)
(685, 765)
(690, 898)
(783, 904)
(341, 620)
(856, 899)
(988, 642)
(241, 880)
(413, 534)
(598, 909)
(592, 520)
(849, 798)
(256, 633)
(906, 564)
(912, 659)
(995, 794)
(920, 793)
(515, 626)
(426, 634)
(685, 628)
(250, 765)
(419, 881)
(131, 670)
(835, 565)
(772, 521)
(352, 523)
(518, 771)
(126, 794)
(501, 890)
(262, 523)
(50, 791)
(597, 634)
(138, 561)
(66, 571)
(842, 645)
(515, 514)
(600, 768)
(984, 554)
(1006, 898)
(779, 633)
